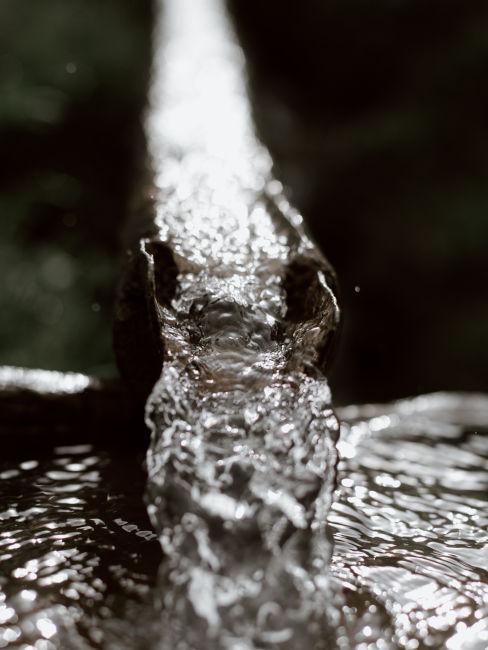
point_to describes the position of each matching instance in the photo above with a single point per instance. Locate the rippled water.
(410, 520)
(77, 553)
(410, 524)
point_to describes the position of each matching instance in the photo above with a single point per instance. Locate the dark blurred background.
(72, 84)
(376, 114)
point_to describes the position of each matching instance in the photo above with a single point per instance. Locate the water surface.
(77, 553)
(410, 520)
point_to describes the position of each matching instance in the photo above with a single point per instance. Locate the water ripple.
(410, 518)
(77, 554)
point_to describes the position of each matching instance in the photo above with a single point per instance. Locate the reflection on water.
(410, 525)
(77, 555)
(410, 519)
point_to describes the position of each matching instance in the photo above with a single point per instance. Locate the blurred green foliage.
(72, 83)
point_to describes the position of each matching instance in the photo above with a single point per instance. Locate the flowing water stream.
(242, 458)
(263, 541)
